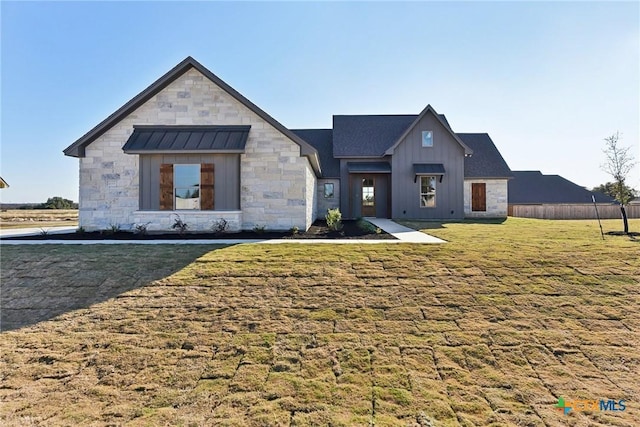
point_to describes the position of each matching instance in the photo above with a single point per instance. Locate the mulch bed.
(352, 229)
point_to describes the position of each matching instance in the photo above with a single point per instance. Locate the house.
(535, 195)
(191, 145)
(3, 183)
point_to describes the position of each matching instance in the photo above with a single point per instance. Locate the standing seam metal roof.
(150, 139)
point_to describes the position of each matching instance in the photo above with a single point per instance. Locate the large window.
(427, 191)
(186, 183)
(187, 186)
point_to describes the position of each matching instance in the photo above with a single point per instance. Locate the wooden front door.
(479, 197)
(369, 196)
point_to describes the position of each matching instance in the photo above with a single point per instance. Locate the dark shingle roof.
(532, 187)
(185, 139)
(486, 161)
(367, 136)
(322, 140)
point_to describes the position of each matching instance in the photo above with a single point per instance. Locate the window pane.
(328, 191)
(186, 181)
(427, 138)
(368, 196)
(186, 176)
(427, 191)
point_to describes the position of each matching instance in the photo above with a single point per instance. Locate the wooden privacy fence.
(571, 211)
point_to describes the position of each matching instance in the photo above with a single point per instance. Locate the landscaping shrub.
(334, 219)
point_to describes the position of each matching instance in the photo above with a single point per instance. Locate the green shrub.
(334, 219)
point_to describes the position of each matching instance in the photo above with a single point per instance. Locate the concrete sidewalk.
(34, 231)
(400, 232)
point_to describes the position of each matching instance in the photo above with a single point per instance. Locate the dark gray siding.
(449, 192)
(227, 178)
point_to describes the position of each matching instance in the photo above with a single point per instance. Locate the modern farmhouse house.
(191, 145)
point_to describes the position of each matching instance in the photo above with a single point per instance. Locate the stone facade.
(196, 220)
(277, 185)
(496, 192)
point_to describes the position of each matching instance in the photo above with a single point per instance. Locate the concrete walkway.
(400, 232)
(34, 231)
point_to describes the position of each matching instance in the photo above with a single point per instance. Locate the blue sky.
(547, 81)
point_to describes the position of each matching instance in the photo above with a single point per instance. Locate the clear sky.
(547, 81)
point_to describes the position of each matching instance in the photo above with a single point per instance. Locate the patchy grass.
(489, 329)
(21, 218)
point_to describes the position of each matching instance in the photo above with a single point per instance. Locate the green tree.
(610, 190)
(619, 164)
(58, 203)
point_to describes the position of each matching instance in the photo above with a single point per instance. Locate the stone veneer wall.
(274, 177)
(496, 198)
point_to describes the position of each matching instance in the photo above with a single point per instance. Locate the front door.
(368, 196)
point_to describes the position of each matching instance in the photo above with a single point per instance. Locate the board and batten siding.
(226, 170)
(449, 193)
(350, 194)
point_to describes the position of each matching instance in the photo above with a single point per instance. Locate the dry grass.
(19, 218)
(489, 329)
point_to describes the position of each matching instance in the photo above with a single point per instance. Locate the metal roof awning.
(432, 169)
(368, 167)
(187, 139)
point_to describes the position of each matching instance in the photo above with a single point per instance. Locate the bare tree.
(619, 164)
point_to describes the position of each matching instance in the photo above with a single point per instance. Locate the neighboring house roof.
(77, 148)
(486, 161)
(322, 140)
(429, 109)
(532, 187)
(187, 139)
(367, 135)
(3, 183)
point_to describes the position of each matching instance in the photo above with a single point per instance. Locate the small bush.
(81, 230)
(141, 229)
(259, 229)
(220, 226)
(367, 227)
(294, 230)
(44, 232)
(113, 229)
(179, 224)
(334, 219)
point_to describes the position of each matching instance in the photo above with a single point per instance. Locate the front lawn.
(489, 329)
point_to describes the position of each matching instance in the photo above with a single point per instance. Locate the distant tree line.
(51, 203)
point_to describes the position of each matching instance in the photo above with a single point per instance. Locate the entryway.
(370, 195)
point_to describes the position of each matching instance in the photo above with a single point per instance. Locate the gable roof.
(429, 109)
(322, 140)
(486, 162)
(367, 135)
(77, 148)
(532, 187)
(3, 183)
